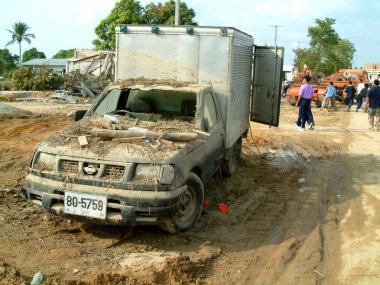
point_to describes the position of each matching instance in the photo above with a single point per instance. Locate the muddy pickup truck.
(182, 103)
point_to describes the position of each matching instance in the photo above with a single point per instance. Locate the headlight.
(44, 162)
(163, 174)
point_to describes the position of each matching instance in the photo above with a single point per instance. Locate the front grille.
(110, 172)
(68, 166)
(113, 172)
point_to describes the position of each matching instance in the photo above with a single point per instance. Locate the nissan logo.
(90, 169)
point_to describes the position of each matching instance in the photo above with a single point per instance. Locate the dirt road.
(279, 230)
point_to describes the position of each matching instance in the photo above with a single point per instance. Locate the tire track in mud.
(259, 219)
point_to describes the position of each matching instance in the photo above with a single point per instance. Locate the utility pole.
(275, 33)
(275, 48)
(298, 45)
(298, 51)
(177, 16)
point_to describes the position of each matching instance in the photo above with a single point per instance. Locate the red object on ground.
(223, 208)
(205, 203)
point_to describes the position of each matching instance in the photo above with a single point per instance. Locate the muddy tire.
(292, 100)
(231, 159)
(319, 101)
(340, 78)
(190, 208)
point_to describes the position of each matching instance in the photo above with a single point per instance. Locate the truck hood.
(79, 141)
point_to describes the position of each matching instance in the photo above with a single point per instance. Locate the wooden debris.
(319, 273)
(82, 141)
(148, 134)
(128, 140)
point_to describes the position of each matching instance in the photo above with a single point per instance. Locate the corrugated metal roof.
(44, 61)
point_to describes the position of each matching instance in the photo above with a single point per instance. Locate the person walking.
(304, 102)
(350, 95)
(329, 95)
(285, 89)
(360, 85)
(372, 103)
(361, 95)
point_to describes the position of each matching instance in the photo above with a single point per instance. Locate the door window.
(209, 116)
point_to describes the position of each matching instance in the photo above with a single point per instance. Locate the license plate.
(85, 205)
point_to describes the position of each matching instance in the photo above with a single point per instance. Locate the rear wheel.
(190, 208)
(231, 159)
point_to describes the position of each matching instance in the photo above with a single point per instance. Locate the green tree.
(327, 50)
(68, 53)
(32, 54)
(20, 33)
(8, 62)
(165, 14)
(124, 12)
(131, 12)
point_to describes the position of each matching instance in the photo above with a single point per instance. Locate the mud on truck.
(183, 101)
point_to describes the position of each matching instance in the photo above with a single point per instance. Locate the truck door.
(266, 85)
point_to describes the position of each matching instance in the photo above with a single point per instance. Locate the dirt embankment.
(303, 209)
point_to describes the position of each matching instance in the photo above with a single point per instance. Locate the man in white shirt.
(360, 85)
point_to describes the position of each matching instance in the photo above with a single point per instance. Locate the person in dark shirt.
(372, 103)
(350, 95)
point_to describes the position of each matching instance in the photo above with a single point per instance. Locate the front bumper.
(124, 207)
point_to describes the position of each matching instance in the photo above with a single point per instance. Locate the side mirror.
(79, 114)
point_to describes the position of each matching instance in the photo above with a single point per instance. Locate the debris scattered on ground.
(37, 278)
(301, 180)
(64, 95)
(223, 208)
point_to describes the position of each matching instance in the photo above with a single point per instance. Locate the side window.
(209, 116)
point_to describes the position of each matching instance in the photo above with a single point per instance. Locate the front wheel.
(319, 101)
(292, 100)
(329, 106)
(189, 209)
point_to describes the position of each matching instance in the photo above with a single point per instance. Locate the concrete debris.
(13, 112)
(64, 95)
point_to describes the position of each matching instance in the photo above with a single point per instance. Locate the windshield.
(148, 104)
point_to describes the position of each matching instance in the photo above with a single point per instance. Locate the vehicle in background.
(340, 79)
(295, 85)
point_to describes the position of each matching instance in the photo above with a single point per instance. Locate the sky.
(67, 24)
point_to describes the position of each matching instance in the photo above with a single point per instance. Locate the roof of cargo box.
(190, 30)
(148, 84)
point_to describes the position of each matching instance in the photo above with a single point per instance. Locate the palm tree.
(19, 33)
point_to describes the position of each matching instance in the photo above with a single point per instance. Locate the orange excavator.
(296, 83)
(340, 79)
